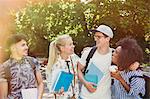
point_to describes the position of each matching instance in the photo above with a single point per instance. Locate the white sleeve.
(51, 77)
(84, 56)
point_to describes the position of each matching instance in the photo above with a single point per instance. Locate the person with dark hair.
(128, 81)
(22, 72)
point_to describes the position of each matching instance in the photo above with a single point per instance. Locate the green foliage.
(42, 22)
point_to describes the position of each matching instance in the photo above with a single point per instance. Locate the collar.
(62, 60)
(18, 61)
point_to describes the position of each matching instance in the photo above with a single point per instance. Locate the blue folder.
(94, 74)
(64, 79)
(91, 78)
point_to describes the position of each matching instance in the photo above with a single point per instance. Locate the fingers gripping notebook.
(64, 80)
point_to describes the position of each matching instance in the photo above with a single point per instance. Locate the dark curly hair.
(131, 52)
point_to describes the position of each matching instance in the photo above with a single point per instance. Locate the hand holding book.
(61, 91)
(92, 78)
(93, 75)
(90, 86)
(62, 82)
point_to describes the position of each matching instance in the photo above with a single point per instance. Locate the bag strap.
(73, 86)
(73, 77)
(130, 79)
(90, 55)
(73, 69)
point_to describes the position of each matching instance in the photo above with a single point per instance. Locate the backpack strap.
(90, 55)
(130, 79)
(69, 70)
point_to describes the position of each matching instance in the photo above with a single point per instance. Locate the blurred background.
(42, 20)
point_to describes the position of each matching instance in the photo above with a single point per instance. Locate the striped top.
(137, 86)
(22, 75)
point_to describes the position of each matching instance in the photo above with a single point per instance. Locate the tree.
(42, 22)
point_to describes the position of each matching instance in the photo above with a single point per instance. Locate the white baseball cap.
(105, 30)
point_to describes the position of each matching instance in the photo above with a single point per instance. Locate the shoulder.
(75, 56)
(87, 50)
(29, 57)
(137, 72)
(32, 59)
(86, 53)
(7, 63)
(137, 78)
(5, 67)
(134, 75)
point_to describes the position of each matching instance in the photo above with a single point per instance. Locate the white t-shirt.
(104, 85)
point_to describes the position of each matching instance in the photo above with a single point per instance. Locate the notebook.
(91, 78)
(28, 93)
(94, 74)
(64, 79)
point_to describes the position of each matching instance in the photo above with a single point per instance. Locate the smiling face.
(115, 55)
(101, 39)
(68, 47)
(20, 49)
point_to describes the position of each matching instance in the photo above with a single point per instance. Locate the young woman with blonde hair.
(61, 51)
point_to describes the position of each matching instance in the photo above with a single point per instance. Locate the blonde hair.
(54, 49)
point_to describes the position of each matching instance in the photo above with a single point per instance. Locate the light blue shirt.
(137, 86)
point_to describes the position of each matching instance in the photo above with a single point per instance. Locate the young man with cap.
(102, 58)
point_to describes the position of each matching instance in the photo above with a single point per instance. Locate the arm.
(137, 86)
(48, 79)
(1, 72)
(122, 81)
(3, 89)
(40, 84)
(88, 85)
(3, 84)
(125, 85)
(36, 67)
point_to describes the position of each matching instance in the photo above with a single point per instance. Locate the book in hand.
(28, 93)
(94, 74)
(91, 78)
(64, 79)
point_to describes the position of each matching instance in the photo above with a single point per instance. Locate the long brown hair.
(130, 52)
